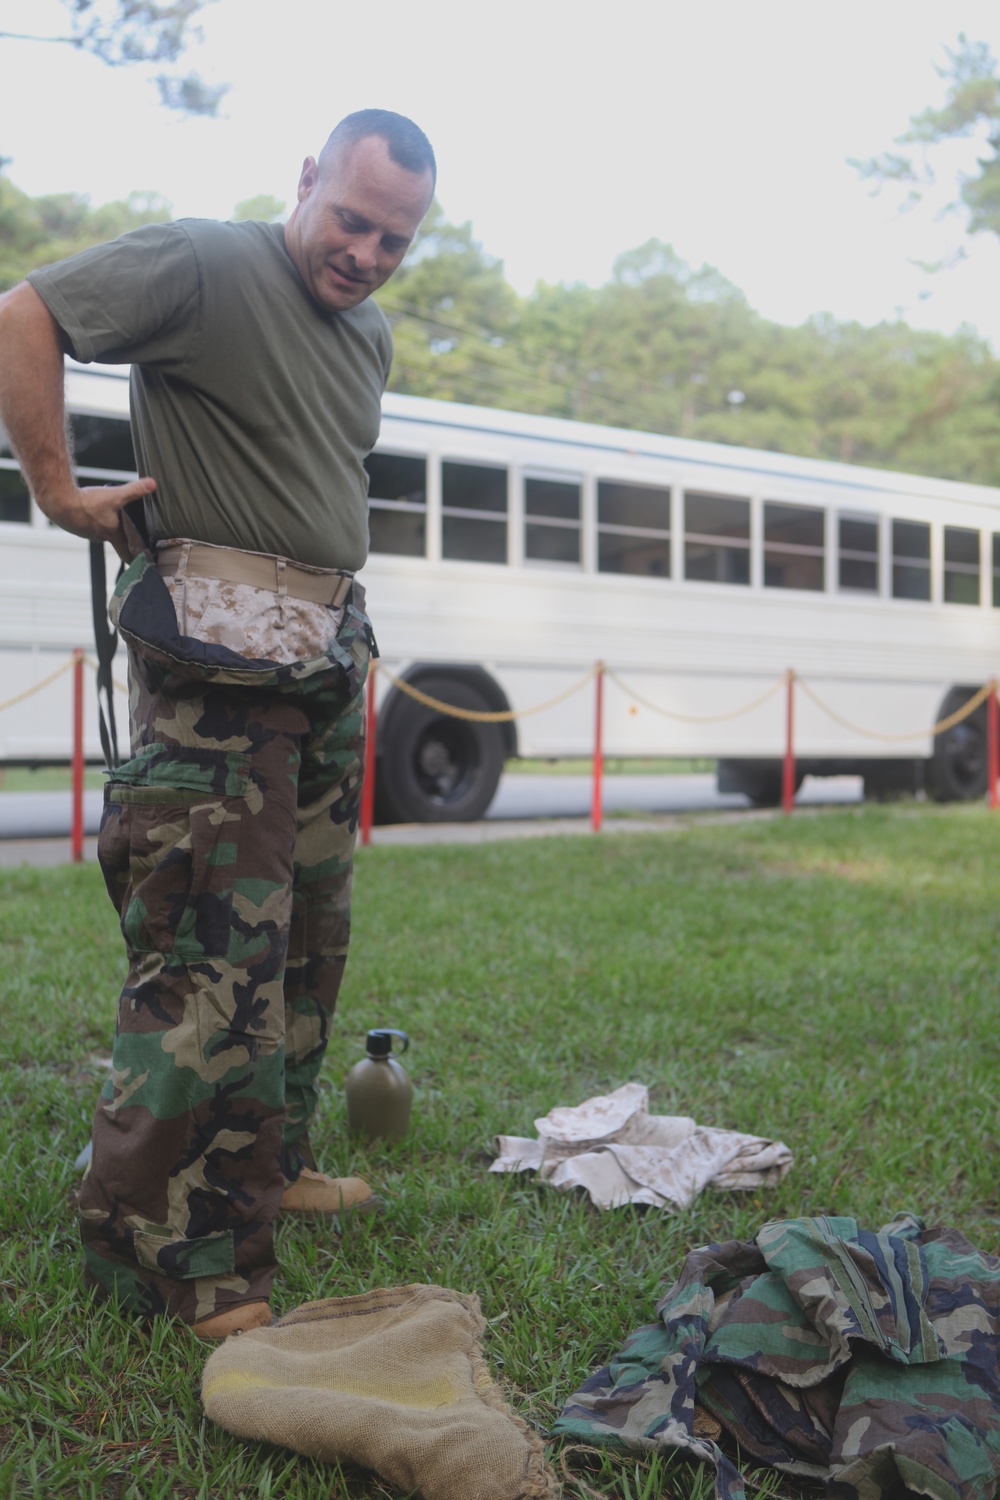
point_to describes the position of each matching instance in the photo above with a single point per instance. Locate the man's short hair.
(408, 146)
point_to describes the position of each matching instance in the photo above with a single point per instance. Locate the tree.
(672, 348)
(668, 338)
(37, 231)
(261, 206)
(452, 312)
(663, 346)
(125, 33)
(971, 109)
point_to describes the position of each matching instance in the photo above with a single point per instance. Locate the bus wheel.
(761, 781)
(890, 780)
(433, 768)
(957, 770)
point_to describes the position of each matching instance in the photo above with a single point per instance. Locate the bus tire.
(766, 789)
(770, 791)
(762, 781)
(957, 770)
(432, 768)
(891, 780)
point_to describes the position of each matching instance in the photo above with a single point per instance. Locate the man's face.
(354, 221)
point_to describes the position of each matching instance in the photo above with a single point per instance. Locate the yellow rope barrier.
(941, 727)
(482, 716)
(20, 697)
(697, 719)
(505, 716)
(44, 682)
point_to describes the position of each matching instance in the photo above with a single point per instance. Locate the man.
(258, 366)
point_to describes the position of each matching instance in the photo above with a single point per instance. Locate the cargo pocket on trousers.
(213, 1255)
(168, 848)
(353, 648)
(112, 850)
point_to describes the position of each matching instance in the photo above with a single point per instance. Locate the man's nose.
(364, 251)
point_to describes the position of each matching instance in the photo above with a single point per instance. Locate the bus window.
(857, 554)
(473, 513)
(996, 570)
(103, 443)
(961, 565)
(793, 546)
(911, 560)
(551, 520)
(397, 504)
(15, 502)
(633, 529)
(716, 539)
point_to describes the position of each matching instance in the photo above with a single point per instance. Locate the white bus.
(511, 552)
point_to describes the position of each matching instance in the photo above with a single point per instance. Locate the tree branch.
(140, 31)
(23, 36)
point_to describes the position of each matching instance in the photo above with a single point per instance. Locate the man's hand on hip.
(95, 512)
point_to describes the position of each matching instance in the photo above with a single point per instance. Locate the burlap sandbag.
(393, 1380)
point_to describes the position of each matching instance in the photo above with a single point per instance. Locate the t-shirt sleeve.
(137, 298)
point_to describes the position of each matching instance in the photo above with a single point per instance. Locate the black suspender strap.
(105, 640)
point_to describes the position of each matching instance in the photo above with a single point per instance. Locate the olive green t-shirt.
(252, 407)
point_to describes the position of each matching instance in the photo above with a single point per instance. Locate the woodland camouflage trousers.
(226, 846)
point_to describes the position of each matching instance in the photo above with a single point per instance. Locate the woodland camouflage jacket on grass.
(831, 1352)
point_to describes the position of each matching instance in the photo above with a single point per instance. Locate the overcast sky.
(566, 131)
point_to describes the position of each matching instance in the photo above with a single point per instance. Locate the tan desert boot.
(234, 1320)
(313, 1195)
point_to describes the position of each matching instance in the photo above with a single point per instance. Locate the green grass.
(46, 778)
(830, 979)
(57, 778)
(613, 765)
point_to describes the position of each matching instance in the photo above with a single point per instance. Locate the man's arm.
(32, 411)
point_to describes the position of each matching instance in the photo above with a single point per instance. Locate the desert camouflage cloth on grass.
(866, 1360)
(226, 846)
(619, 1153)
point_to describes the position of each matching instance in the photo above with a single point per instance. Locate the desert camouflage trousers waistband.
(180, 557)
(253, 622)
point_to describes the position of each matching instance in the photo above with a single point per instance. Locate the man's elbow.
(20, 303)
(26, 322)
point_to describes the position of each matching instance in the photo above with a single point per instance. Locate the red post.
(993, 742)
(788, 769)
(595, 806)
(368, 785)
(77, 834)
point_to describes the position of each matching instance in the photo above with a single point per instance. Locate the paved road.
(36, 815)
(35, 826)
(551, 796)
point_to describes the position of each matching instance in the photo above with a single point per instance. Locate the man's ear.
(308, 178)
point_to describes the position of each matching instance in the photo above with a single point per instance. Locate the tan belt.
(329, 586)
